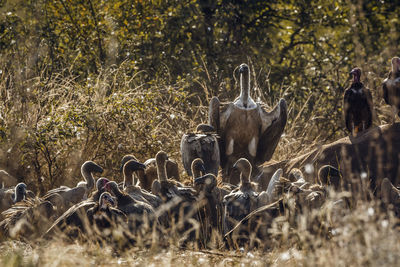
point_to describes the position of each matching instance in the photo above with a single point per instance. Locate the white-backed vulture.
(357, 105)
(76, 194)
(135, 191)
(245, 128)
(201, 144)
(391, 87)
(10, 196)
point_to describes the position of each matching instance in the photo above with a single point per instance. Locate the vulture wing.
(204, 146)
(273, 124)
(346, 109)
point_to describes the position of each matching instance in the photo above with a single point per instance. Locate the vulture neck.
(245, 175)
(244, 89)
(128, 176)
(87, 174)
(18, 196)
(161, 170)
(196, 172)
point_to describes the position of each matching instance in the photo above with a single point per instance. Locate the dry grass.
(57, 124)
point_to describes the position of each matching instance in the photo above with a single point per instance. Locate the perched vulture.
(357, 105)
(202, 144)
(239, 203)
(135, 191)
(28, 218)
(245, 128)
(8, 197)
(391, 87)
(76, 194)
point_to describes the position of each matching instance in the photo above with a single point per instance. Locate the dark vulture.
(239, 203)
(246, 129)
(80, 218)
(76, 194)
(357, 105)
(201, 144)
(391, 87)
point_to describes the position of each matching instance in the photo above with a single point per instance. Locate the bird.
(242, 201)
(357, 105)
(126, 203)
(391, 87)
(28, 218)
(80, 192)
(79, 218)
(135, 191)
(245, 128)
(10, 196)
(147, 175)
(201, 144)
(105, 214)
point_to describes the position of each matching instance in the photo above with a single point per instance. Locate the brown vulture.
(357, 105)
(245, 128)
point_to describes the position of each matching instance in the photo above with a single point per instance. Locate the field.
(96, 80)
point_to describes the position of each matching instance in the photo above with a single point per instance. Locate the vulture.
(242, 201)
(80, 217)
(134, 209)
(28, 218)
(169, 189)
(357, 105)
(8, 197)
(135, 191)
(391, 87)
(76, 194)
(201, 144)
(329, 175)
(147, 175)
(246, 129)
(179, 203)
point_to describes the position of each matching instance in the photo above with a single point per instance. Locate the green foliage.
(96, 79)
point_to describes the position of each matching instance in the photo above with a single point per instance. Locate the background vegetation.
(99, 79)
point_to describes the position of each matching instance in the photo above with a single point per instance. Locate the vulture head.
(106, 200)
(128, 169)
(198, 168)
(356, 73)
(244, 167)
(396, 65)
(20, 192)
(125, 159)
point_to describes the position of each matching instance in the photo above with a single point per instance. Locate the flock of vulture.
(151, 203)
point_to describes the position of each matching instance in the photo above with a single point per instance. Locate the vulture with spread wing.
(245, 128)
(391, 87)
